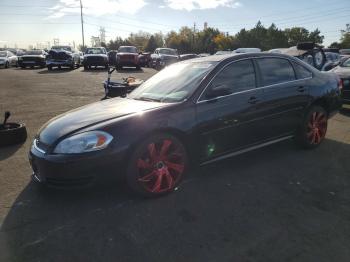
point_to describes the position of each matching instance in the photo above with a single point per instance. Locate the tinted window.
(301, 71)
(275, 70)
(238, 76)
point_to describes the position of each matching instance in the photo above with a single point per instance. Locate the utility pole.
(82, 23)
(193, 36)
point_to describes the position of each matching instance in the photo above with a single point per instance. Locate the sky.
(24, 22)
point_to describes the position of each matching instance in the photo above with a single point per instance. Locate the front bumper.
(58, 170)
(31, 63)
(59, 62)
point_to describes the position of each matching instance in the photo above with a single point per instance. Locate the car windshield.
(67, 48)
(168, 51)
(346, 63)
(34, 52)
(3, 54)
(95, 51)
(127, 49)
(174, 83)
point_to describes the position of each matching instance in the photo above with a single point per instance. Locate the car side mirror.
(219, 90)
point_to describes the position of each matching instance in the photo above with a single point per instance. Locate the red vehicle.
(128, 56)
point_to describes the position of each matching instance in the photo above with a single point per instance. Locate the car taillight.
(340, 84)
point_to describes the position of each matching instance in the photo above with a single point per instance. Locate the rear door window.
(275, 71)
(301, 71)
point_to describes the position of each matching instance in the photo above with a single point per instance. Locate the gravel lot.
(278, 203)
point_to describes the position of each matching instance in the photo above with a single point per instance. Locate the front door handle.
(301, 89)
(253, 100)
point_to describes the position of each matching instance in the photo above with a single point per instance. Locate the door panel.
(284, 98)
(228, 123)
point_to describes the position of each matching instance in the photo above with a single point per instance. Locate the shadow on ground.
(56, 70)
(6, 152)
(130, 70)
(279, 203)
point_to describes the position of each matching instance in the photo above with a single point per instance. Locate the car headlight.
(84, 142)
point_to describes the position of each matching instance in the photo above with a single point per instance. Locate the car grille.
(127, 58)
(32, 59)
(94, 59)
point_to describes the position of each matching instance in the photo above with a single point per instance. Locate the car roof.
(234, 56)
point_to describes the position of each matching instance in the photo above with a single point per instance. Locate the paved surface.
(279, 203)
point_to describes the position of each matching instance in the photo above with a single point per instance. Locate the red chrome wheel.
(158, 165)
(313, 130)
(317, 127)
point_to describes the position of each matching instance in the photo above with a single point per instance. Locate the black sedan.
(197, 111)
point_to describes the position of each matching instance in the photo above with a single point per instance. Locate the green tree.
(151, 44)
(345, 38)
(296, 35)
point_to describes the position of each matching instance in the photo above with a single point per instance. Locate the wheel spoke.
(158, 184)
(147, 178)
(169, 179)
(177, 167)
(165, 148)
(143, 164)
(152, 152)
(317, 137)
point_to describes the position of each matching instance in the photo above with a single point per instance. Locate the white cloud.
(96, 8)
(201, 4)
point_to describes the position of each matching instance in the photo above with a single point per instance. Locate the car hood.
(98, 55)
(341, 71)
(92, 114)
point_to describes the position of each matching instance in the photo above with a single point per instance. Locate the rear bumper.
(64, 171)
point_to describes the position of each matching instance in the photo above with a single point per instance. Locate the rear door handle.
(301, 89)
(253, 100)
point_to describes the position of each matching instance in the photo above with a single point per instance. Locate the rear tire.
(7, 65)
(17, 134)
(313, 129)
(157, 165)
(49, 68)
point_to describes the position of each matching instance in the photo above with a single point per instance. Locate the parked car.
(144, 59)
(8, 59)
(343, 71)
(112, 57)
(163, 57)
(332, 60)
(32, 58)
(201, 110)
(128, 56)
(223, 52)
(62, 56)
(247, 50)
(95, 56)
(188, 56)
(344, 51)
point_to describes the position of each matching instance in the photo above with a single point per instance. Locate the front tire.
(313, 128)
(7, 65)
(157, 165)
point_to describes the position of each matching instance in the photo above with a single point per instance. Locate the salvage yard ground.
(278, 203)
